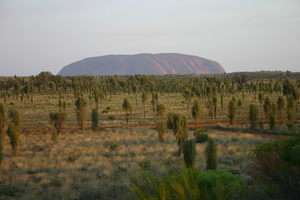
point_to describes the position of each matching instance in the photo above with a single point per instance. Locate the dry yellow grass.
(84, 159)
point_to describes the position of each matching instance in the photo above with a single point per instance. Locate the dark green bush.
(189, 153)
(145, 164)
(211, 155)
(113, 145)
(219, 184)
(11, 190)
(111, 117)
(187, 184)
(201, 138)
(95, 120)
(278, 164)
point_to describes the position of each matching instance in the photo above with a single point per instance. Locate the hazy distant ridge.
(165, 63)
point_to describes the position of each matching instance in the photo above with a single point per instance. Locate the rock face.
(166, 63)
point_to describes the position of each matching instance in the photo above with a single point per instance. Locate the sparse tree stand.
(95, 120)
(179, 124)
(189, 153)
(232, 112)
(57, 119)
(14, 139)
(81, 105)
(211, 155)
(196, 112)
(253, 116)
(126, 106)
(161, 125)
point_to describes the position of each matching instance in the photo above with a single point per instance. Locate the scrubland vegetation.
(227, 136)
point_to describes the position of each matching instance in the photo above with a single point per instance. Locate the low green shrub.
(113, 145)
(56, 182)
(111, 117)
(189, 183)
(145, 164)
(11, 190)
(219, 184)
(201, 137)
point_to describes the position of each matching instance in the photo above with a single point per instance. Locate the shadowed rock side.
(168, 63)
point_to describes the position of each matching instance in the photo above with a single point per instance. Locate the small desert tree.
(211, 155)
(1, 154)
(16, 120)
(272, 116)
(222, 97)
(161, 125)
(57, 119)
(126, 106)
(239, 104)
(232, 111)
(267, 107)
(261, 100)
(214, 99)
(179, 124)
(54, 134)
(187, 97)
(280, 108)
(211, 108)
(153, 102)
(14, 138)
(189, 153)
(52, 87)
(291, 111)
(253, 116)
(144, 100)
(95, 120)
(135, 89)
(96, 97)
(196, 112)
(2, 122)
(81, 105)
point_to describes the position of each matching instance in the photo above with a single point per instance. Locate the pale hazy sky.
(242, 35)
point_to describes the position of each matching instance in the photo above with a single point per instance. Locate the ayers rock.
(165, 63)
